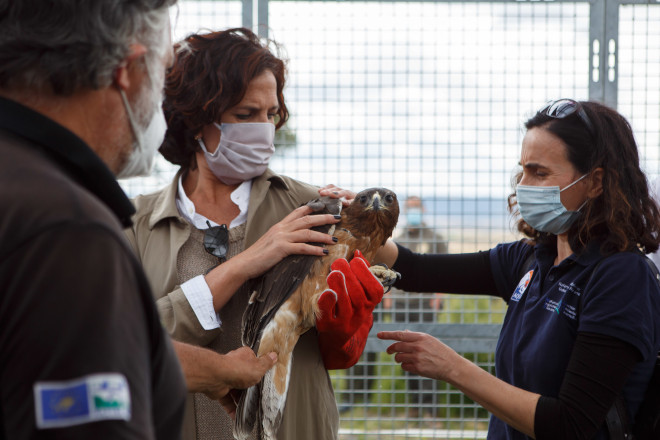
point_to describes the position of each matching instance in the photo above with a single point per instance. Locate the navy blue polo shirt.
(545, 313)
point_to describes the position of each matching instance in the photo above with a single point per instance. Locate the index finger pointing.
(399, 335)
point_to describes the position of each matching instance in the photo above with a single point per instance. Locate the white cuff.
(199, 297)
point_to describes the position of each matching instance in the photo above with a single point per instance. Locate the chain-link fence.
(428, 99)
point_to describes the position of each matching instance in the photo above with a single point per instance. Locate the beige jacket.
(157, 235)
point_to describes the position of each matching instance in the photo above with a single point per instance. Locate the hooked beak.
(375, 202)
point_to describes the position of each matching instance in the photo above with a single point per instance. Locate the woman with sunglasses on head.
(583, 319)
(227, 218)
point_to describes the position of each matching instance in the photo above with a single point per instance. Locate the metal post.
(247, 13)
(603, 51)
(610, 51)
(262, 24)
(596, 49)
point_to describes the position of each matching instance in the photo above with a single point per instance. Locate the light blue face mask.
(414, 217)
(541, 208)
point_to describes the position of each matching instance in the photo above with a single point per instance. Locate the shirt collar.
(590, 254)
(272, 177)
(240, 196)
(70, 152)
(165, 205)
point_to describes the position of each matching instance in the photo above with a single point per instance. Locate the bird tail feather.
(272, 401)
(247, 412)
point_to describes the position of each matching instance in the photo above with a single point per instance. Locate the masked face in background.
(414, 217)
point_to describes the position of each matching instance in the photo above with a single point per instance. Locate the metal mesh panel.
(193, 16)
(428, 99)
(425, 98)
(639, 78)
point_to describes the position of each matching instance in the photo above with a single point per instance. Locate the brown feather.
(284, 304)
(274, 287)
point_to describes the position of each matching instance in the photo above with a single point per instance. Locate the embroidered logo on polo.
(575, 290)
(83, 400)
(560, 308)
(522, 286)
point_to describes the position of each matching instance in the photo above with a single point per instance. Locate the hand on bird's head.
(346, 195)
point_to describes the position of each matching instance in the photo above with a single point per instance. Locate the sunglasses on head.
(216, 239)
(563, 108)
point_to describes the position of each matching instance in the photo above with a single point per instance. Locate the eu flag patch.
(83, 400)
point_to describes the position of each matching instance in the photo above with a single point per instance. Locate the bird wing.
(268, 293)
(270, 290)
(274, 318)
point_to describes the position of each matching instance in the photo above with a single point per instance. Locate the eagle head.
(374, 212)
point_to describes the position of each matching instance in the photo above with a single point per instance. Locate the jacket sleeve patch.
(83, 400)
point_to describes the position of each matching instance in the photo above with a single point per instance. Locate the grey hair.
(67, 45)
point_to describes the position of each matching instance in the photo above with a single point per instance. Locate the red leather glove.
(347, 307)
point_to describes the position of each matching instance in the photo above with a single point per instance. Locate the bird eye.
(389, 198)
(363, 199)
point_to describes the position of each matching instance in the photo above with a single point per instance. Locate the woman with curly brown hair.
(583, 319)
(227, 218)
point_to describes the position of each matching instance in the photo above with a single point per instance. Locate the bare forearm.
(215, 374)
(387, 254)
(422, 354)
(291, 236)
(199, 366)
(514, 406)
(225, 279)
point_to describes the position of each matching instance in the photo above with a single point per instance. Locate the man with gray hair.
(82, 351)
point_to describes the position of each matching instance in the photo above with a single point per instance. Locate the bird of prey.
(283, 304)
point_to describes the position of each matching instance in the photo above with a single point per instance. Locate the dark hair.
(67, 45)
(210, 75)
(624, 216)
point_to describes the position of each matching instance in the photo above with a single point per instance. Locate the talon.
(385, 275)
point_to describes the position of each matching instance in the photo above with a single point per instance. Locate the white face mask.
(147, 140)
(243, 152)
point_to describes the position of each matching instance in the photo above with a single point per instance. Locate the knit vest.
(311, 411)
(211, 420)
